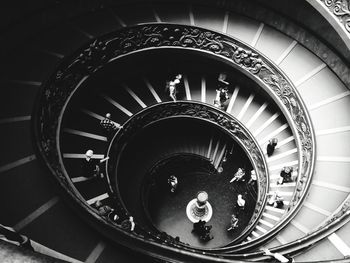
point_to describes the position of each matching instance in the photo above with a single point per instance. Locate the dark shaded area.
(168, 210)
(183, 137)
(13, 253)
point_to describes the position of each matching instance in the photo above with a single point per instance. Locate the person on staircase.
(271, 146)
(171, 86)
(275, 200)
(107, 211)
(285, 175)
(110, 127)
(90, 167)
(221, 92)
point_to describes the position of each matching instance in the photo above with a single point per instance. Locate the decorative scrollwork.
(91, 58)
(339, 213)
(340, 9)
(286, 94)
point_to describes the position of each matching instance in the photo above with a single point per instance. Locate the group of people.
(203, 231)
(275, 199)
(239, 176)
(110, 213)
(90, 167)
(221, 92)
(287, 171)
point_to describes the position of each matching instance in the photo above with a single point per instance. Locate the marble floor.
(168, 210)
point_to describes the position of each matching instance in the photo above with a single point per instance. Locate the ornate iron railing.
(72, 73)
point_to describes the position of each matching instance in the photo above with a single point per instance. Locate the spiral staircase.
(312, 226)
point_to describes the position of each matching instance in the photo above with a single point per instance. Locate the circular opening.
(179, 161)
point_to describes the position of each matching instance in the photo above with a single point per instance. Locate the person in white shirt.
(172, 86)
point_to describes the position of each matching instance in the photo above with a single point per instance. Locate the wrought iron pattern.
(340, 9)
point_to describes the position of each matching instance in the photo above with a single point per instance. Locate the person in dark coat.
(205, 235)
(271, 146)
(198, 227)
(90, 167)
(286, 175)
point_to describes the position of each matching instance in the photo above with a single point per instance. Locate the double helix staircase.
(32, 206)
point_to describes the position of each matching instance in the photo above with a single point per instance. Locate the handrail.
(199, 111)
(337, 13)
(339, 218)
(75, 70)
